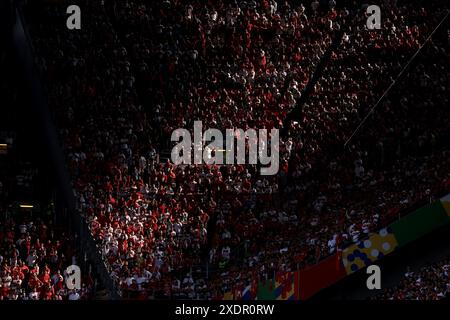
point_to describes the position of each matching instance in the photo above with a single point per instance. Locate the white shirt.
(226, 252)
(34, 295)
(31, 260)
(74, 296)
(359, 171)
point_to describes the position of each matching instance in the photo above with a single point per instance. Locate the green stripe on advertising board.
(266, 290)
(419, 223)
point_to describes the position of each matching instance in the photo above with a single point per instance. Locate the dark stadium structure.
(86, 171)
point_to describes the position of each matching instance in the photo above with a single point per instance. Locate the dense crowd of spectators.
(137, 70)
(392, 149)
(34, 250)
(431, 282)
(34, 256)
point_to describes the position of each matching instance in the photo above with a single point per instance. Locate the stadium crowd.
(431, 282)
(35, 250)
(137, 71)
(33, 258)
